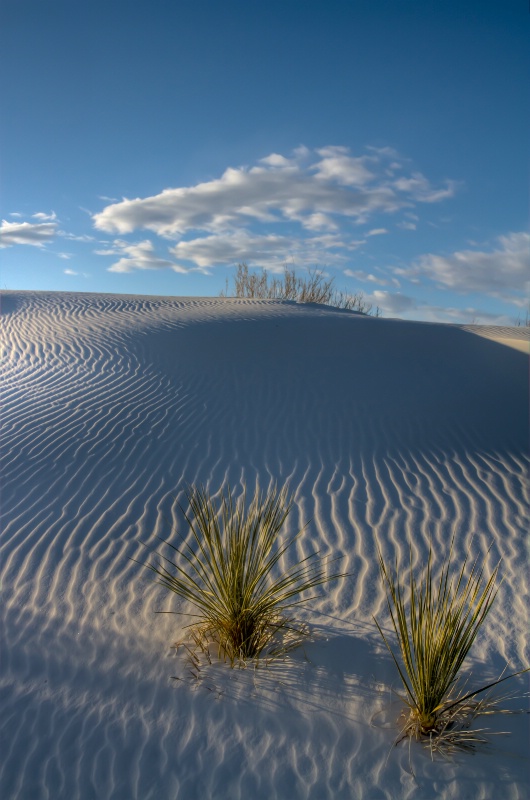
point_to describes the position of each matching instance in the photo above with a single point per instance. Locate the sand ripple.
(389, 433)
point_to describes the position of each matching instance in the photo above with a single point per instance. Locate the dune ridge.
(388, 432)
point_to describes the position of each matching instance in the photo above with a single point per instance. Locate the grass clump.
(315, 288)
(230, 572)
(436, 624)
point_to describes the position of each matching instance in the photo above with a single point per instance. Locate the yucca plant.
(436, 624)
(230, 572)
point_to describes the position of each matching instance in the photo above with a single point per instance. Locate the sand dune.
(387, 431)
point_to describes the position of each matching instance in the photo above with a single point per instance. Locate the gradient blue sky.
(149, 147)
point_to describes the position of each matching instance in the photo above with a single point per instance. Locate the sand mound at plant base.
(387, 431)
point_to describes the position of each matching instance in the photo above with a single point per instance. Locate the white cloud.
(463, 316)
(307, 207)
(301, 152)
(499, 273)
(269, 251)
(457, 316)
(333, 241)
(418, 187)
(336, 164)
(319, 222)
(238, 198)
(74, 238)
(73, 272)
(315, 190)
(369, 277)
(392, 303)
(45, 217)
(410, 221)
(275, 160)
(411, 308)
(387, 152)
(140, 255)
(30, 233)
(353, 244)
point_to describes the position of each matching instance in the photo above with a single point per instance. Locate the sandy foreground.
(386, 431)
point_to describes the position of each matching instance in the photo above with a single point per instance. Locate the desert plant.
(315, 288)
(436, 625)
(523, 322)
(231, 574)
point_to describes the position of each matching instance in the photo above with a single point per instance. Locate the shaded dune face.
(388, 432)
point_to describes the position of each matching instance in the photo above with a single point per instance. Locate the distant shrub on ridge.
(315, 288)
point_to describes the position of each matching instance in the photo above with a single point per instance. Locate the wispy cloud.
(29, 233)
(500, 272)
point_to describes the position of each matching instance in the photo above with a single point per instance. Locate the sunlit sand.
(387, 432)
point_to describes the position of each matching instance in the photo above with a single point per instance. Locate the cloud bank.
(310, 203)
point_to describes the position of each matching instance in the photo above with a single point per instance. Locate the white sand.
(387, 431)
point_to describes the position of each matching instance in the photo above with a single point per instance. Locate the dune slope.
(388, 432)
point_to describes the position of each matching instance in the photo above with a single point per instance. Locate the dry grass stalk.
(315, 288)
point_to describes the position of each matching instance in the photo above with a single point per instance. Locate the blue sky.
(150, 147)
